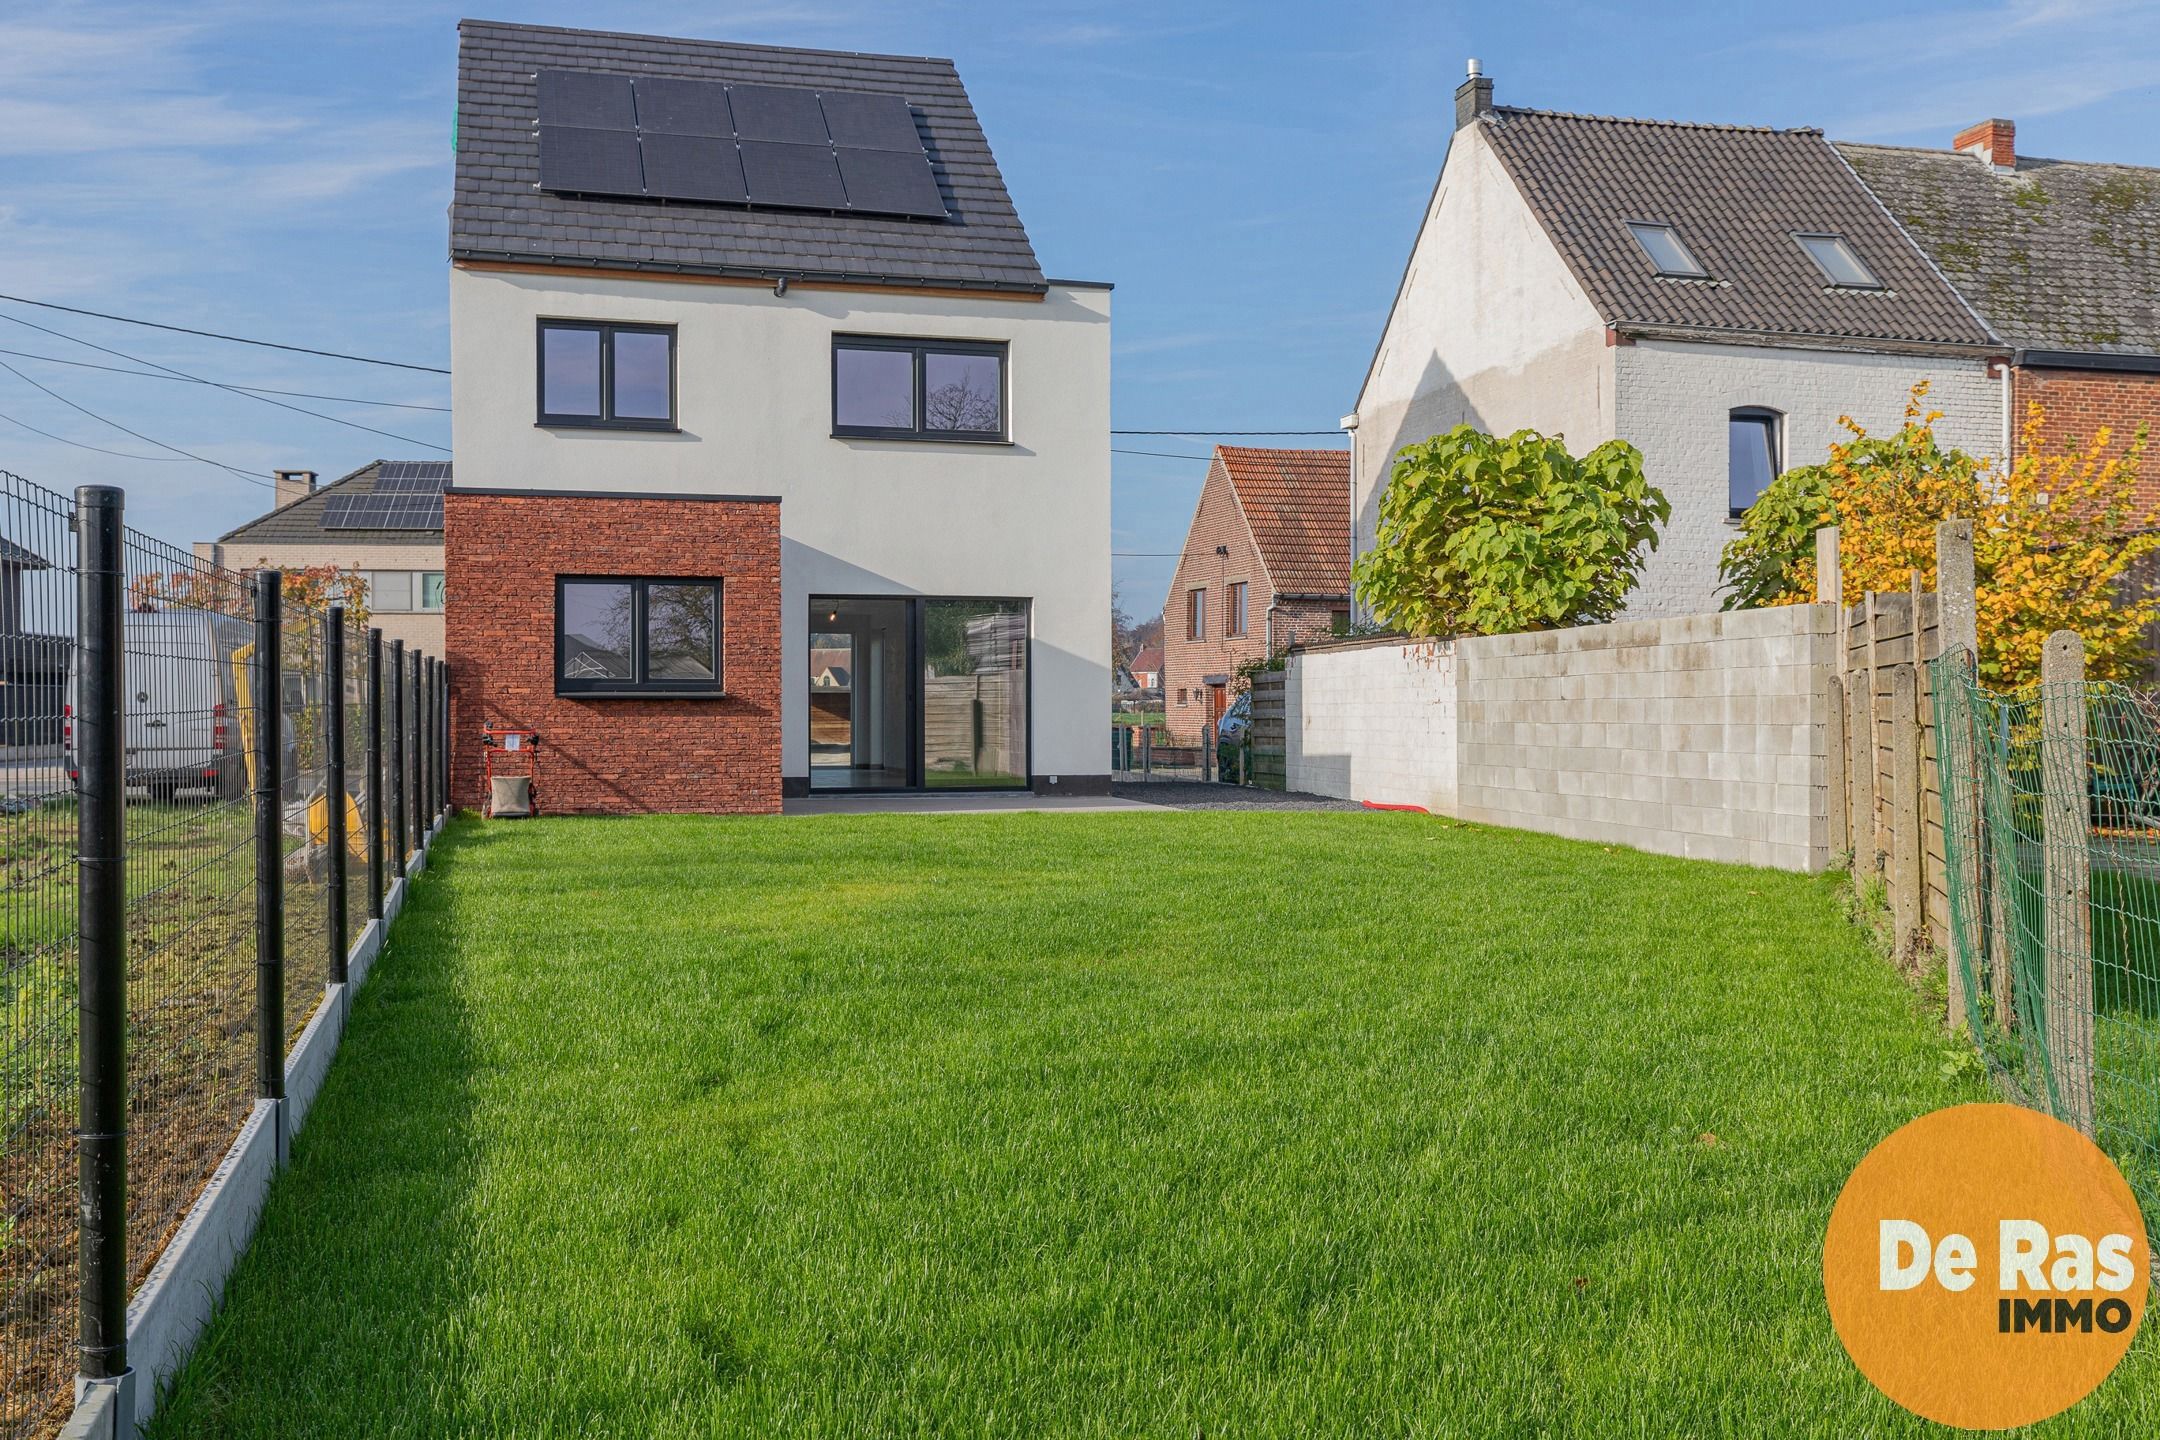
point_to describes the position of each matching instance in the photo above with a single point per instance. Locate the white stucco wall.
(1674, 399)
(857, 517)
(1373, 721)
(1699, 735)
(1489, 328)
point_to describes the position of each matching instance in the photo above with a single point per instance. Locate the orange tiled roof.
(1298, 505)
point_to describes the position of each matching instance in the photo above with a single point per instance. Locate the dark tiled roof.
(1297, 503)
(15, 555)
(2059, 255)
(300, 523)
(1736, 196)
(496, 213)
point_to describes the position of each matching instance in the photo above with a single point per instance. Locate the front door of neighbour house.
(1218, 700)
(913, 693)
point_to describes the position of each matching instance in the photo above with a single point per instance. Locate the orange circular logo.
(1986, 1266)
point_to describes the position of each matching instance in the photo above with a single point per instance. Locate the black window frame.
(641, 685)
(606, 419)
(1773, 423)
(921, 349)
(1852, 253)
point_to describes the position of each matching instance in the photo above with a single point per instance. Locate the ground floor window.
(625, 635)
(917, 693)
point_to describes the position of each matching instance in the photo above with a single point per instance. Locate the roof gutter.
(1804, 340)
(2147, 364)
(758, 274)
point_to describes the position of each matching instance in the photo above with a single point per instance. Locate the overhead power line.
(182, 374)
(251, 389)
(1198, 434)
(79, 445)
(1121, 450)
(234, 339)
(137, 434)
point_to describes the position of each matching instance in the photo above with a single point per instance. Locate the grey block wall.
(1700, 735)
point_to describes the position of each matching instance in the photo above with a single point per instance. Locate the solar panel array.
(761, 145)
(408, 495)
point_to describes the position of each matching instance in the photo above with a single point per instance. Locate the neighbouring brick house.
(1266, 564)
(1719, 296)
(2061, 258)
(781, 466)
(395, 545)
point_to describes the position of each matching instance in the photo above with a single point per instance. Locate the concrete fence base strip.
(170, 1310)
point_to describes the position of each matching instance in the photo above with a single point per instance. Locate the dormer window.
(1668, 256)
(1839, 265)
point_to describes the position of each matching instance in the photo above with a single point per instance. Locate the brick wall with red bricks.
(1186, 659)
(2079, 402)
(502, 555)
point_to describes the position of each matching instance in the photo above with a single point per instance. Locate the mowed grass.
(1210, 1124)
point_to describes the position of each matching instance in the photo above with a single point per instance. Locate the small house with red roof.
(1266, 564)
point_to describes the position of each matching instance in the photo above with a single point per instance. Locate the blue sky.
(1250, 176)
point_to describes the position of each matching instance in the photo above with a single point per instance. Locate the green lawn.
(1209, 1124)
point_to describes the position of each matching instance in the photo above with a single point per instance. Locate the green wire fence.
(2051, 828)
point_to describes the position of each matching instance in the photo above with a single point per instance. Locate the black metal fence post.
(101, 897)
(269, 705)
(397, 758)
(375, 815)
(442, 738)
(334, 783)
(418, 664)
(424, 730)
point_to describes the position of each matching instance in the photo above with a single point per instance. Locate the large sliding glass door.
(918, 694)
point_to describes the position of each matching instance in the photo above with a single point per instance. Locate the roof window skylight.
(1837, 262)
(1668, 256)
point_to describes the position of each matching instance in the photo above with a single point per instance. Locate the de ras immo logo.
(1986, 1266)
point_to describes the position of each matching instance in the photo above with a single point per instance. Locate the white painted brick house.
(1716, 295)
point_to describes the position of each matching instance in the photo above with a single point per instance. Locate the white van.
(183, 712)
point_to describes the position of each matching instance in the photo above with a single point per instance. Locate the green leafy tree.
(1487, 535)
(1772, 559)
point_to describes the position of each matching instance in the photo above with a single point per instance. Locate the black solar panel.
(890, 182)
(777, 112)
(682, 107)
(383, 512)
(586, 99)
(693, 167)
(799, 175)
(869, 122)
(590, 162)
(412, 477)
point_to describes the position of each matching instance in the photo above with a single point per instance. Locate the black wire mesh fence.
(184, 798)
(38, 1052)
(2051, 806)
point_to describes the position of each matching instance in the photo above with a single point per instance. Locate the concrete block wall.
(1700, 735)
(1373, 720)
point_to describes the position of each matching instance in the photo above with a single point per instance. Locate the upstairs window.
(893, 389)
(616, 635)
(1753, 455)
(1667, 253)
(1234, 610)
(1196, 614)
(1839, 265)
(611, 377)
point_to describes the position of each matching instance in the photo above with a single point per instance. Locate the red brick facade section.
(2079, 402)
(502, 555)
(1304, 496)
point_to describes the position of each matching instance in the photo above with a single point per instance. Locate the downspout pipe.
(1349, 425)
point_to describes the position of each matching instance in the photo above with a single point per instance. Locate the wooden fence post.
(2067, 931)
(1829, 570)
(1834, 798)
(1860, 747)
(1958, 626)
(1907, 913)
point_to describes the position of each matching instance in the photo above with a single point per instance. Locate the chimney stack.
(1473, 97)
(1994, 141)
(293, 485)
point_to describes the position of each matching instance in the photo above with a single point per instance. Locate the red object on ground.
(1377, 805)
